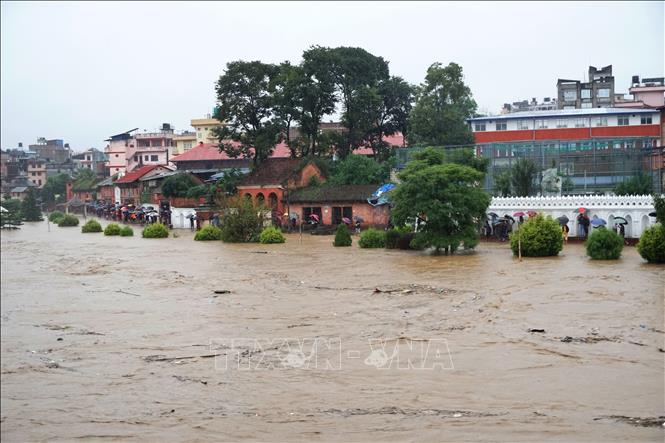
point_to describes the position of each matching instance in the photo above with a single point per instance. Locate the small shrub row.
(55, 216)
(112, 229)
(126, 231)
(208, 232)
(372, 238)
(271, 235)
(68, 220)
(155, 230)
(91, 226)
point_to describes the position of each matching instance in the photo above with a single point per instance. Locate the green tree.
(178, 185)
(246, 106)
(55, 186)
(360, 170)
(448, 195)
(659, 204)
(639, 184)
(317, 98)
(228, 184)
(84, 180)
(288, 100)
(241, 221)
(523, 173)
(502, 183)
(29, 209)
(443, 103)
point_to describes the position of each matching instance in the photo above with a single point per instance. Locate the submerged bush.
(55, 216)
(68, 220)
(241, 221)
(604, 244)
(91, 226)
(271, 235)
(155, 230)
(112, 229)
(652, 244)
(540, 237)
(126, 231)
(372, 238)
(342, 236)
(208, 232)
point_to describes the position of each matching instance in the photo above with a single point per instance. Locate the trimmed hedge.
(112, 229)
(652, 244)
(68, 220)
(540, 237)
(342, 236)
(271, 235)
(126, 231)
(91, 226)
(155, 230)
(55, 216)
(372, 238)
(208, 232)
(604, 244)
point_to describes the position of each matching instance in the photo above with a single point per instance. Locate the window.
(623, 121)
(145, 158)
(646, 120)
(339, 212)
(501, 126)
(601, 121)
(306, 212)
(603, 93)
(586, 93)
(39, 182)
(117, 169)
(153, 158)
(570, 95)
(136, 158)
(87, 157)
(523, 124)
(587, 104)
(32, 173)
(569, 107)
(116, 155)
(480, 127)
(541, 124)
(580, 123)
(561, 123)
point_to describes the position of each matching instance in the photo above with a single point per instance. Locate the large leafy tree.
(357, 75)
(178, 185)
(523, 175)
(288, 100)
(246, 104)
(447, 195)
(640, 184)
(443, 103)
(502, 183)
(84, 179)
(29, 208)
(55, 185)
(360, 170)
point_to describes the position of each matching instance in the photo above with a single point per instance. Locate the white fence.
(634, 208)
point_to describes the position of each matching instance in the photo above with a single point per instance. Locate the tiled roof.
(273, 171)
(131, 177)
(330, 193)
(210, 151)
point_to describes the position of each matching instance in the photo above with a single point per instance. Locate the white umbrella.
(3, 209)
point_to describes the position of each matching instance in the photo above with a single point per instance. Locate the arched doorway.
(260, 199)
(272, 200)
(645, 223)
(629, 226)
(248, 196)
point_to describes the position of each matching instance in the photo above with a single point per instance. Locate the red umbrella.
(346, 220)
(581, 210)
(519, 214)
(532, 213)
(314, 217)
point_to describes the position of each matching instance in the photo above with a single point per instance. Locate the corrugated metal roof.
(587, 112)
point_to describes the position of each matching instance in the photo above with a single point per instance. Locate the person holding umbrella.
(565, 230)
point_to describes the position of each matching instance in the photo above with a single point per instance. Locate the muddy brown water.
(103, 338)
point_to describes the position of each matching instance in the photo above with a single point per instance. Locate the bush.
(652, 244)
(372, 238)
(55, 216)
(271, 235)
(241, 222)
(540, 237)
(604, 244)
(126, 231)
(342, 236)
(155, 230)
(68, 220)
(399, 238)
(91, 226)
(208, 232)
(112, 229)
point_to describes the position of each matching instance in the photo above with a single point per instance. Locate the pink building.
(649, 93)
(130, 150)
(116, 151)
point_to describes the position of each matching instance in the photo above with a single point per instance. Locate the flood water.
(109, 338)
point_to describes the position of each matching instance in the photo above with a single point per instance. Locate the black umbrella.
(506, 216)
(620, 220)
(652, 214)
(563, 220)
(493, 215)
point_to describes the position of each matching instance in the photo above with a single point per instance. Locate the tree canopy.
(179, 185)
(29, 209)
(360, 170)
(447, 195)
(522, 177)
(640, 184)
(443, 103)
(55, 185)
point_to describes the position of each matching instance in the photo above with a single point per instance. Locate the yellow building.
(203, 128)
(183, 142)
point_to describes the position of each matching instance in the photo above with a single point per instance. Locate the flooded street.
(124, 339)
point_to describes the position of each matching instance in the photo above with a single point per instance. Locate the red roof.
(273, 171)
(136, 174)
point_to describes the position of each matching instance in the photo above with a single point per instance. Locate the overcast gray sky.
(82, 71)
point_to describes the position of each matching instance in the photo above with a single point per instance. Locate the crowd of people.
(130, 213)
